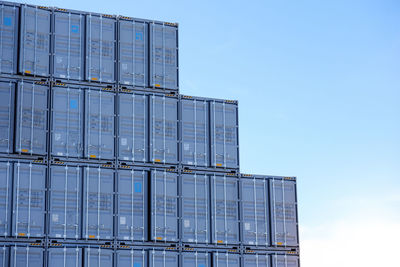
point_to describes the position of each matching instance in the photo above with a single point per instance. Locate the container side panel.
(256, 260)
(285, 261)
(195, 259)
(163, 259)
(8, 38)
(226, 260)
(26, 256)
(96, 257)
(4, 256)
(131, 258)
(71, 257)
(5, 198)
(7, 94)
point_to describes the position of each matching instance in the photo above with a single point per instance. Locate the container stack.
(104, 163)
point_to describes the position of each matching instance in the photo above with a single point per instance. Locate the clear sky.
(318, 84)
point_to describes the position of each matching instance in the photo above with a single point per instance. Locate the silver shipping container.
(163, 55)
(4, 254)
(29, 200)
(31, 118)
(26, 256)
(133, 120)
(100, 48)
(133, 52)
(195, 149)
(285, 261)
(132, 205)
(164, 206)
(255, 211)
(224, 210)
(99, 124)
(256, 260)
(163, 258)
(283, 212)
(195, 259)
(195, 219)
(98, 203)
(131, 258)
(224, 134)
(68, 45)
(9, 21)
(34, 53)
(6, 171)
(97, 257)
(67, 122)
(221, 259)
(66, 256)
(65, 202)
(163, 129)
(7, 95)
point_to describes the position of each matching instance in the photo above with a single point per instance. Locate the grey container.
(285, 261)
(164, 55)
(224, 210)
(224, 134)
(133, 121)
(7, 97)
(163, 258)
(68, 45)
(133, 54)
(67, 122)
(4, 256)
(195, 148)
(34, 53)
(98, 203)
(26, 256)
(132, 205)
(31, 118)
(164, 206)
(131, 258)
(98, 257)
(256, 260)
(67, 256)
(65, 200)
(99, 124)
(29, 192)
(163, 129)
(283, 212)
(195, 217)
(221, 259)
(100, 48)
(195, 259)
(6, 173)
(9, 18)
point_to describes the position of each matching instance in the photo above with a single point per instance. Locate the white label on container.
(246, 226)
(191, 240)
(58, 235)
(124, 66)
(251, 243)
(57, 136)
(124, 141)
(126, 158)
(122, 220)
(186, 146)
(186, 223)
(59, 59)
(55, 217)
(62, 76)
(60, 154)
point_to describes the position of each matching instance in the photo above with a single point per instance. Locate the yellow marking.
(21, 234)
(92, 236)
(157, 85)
(159, 238)
(93, 156)
(157, 160)
(279, 243)
(220, 241)
(219, 164)
(94, 79)
(24, 150)
(28, 71)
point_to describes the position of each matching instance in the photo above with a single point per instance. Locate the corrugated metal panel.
(257, 260)
(195, 259)
(31, 119)
(283, 212)
(4, 254)
(226, 260)
(98, 203)
(132, 205)
(26, 257)
(255, 211)
(67, 122)
(97, 257)
(133, 53)
(9, 20)
(195, 208)
(163, 129)
(195, 132)
(5, 198)
(285, 261)
(65, 202)
(224, 210)
(131, 258)
(100, 48)
(7, 94)
(71, 257)
(163, 258)
(34, 54)
(99, 121)
(164, 206)
(68, 43)
(163, 56)
(133, 124)
(29, 200)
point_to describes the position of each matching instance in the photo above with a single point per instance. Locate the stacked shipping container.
(103, 163)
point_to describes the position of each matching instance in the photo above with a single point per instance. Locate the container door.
(226, 260)
(224, 135)
(100, 49)
(256, 260)
(8, 38)
(132, 208)
(98, 203)
(195, 208)
(67, 122)
(163, 258)
(195, 139)
(283, 212)
(65, 202)
(164, 206)
(164, 129)
(97, 257)
(69, 40)
(31, 119)
(7, 94)
(163, 56)
(5, 198)
(34, 54)
(195, 259)
(4, 254)
(133, 53)
(133, 123)
(285, 261)
(29, 200)
(26, 257)
(99, 116)
(224, 210)
(131, 258)
(255, 212)
(71, 257)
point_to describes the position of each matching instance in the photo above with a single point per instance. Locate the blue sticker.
(73, 104)
(75, 28)
(138, 187)
(137, 265)
(7, 21)
(139, 36)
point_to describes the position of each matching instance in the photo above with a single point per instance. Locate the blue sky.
(318, 85)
